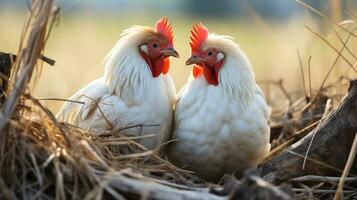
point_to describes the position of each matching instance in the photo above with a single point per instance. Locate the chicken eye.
(210, 53)
(154, 45)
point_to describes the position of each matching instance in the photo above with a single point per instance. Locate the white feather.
(144, 48)
(221, 129)
(220, 56)
(127, 95)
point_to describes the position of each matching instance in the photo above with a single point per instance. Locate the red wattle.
(158, 66)
(211, 73)
(166, 67)
(197, 71)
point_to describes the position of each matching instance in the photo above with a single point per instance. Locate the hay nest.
(41, 158)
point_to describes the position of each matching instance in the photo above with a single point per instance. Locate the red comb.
(199, 34)
(164, 27)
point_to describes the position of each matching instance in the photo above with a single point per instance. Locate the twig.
(309, 70)
(133, 155)
(322, 178)
(41, 57)
(125, 138)
(320, 191)
(302, 71)
(59, 99)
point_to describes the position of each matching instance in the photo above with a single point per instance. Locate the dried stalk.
(30, 51)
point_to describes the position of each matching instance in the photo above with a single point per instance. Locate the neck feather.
(236, 78)
(126, 72)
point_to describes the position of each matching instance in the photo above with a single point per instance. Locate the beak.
(194, 60)
(170, 52)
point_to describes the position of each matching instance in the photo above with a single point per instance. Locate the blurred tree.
(272, 9)
(222, 8)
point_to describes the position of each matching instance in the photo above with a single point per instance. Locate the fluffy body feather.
(221, 128)
(127, 95)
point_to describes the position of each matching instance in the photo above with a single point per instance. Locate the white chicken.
(221, 116)
(136, 88)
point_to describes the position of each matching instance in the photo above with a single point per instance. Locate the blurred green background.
(270, 32)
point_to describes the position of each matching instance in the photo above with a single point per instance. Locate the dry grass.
(44, 158)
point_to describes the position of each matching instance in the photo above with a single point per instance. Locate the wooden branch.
(251, 186)
(329, 150)
(145, 189)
